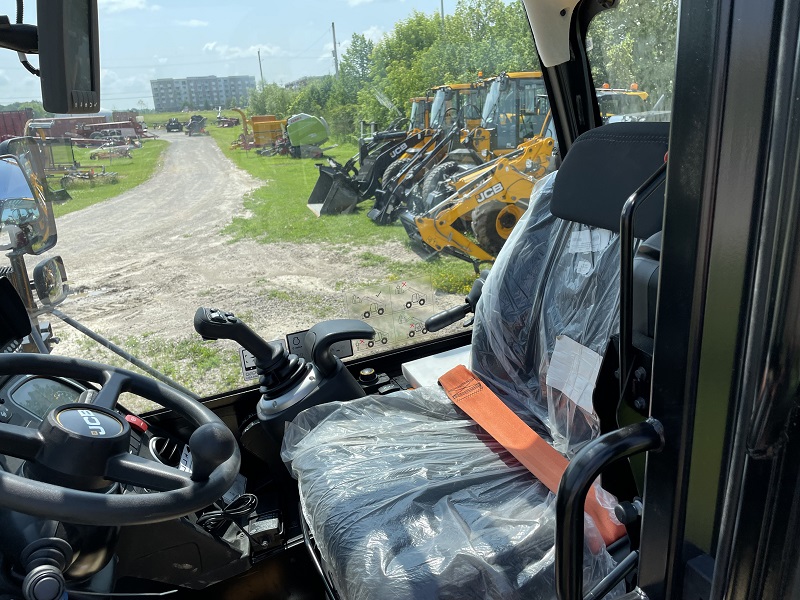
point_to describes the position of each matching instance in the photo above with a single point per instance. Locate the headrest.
(603, 168)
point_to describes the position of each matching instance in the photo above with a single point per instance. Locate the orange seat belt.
(545, 462)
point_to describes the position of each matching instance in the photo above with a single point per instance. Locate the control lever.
(216, 324)
(278, 370)
(452, 315)
(323, 335)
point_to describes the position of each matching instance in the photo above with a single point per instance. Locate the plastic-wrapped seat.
(405, 496)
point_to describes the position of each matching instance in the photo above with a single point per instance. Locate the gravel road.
(141, 263)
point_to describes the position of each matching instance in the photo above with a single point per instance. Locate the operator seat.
(405, 496)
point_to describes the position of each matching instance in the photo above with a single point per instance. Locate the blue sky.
(142, 40)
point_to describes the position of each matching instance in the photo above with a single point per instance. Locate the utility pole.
(442, 13)
(260, 69)
(335, 53)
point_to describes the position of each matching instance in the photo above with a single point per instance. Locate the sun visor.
(550, 21)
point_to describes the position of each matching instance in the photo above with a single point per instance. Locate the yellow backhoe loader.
(475, 220)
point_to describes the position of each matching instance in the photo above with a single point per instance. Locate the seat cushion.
(407, 498)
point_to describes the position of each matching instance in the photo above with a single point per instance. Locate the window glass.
(264, 202)
(631, 51)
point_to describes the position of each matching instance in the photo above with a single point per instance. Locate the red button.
(136, 423)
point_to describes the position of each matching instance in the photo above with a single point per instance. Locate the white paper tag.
(588, 240)
(573, 371)
(583, 267)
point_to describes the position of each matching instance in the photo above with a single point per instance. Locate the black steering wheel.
(80, 450)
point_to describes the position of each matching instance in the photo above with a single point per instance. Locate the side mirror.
(50, 279)
(25, 213)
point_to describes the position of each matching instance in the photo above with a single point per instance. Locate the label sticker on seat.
(589, 239)
(573, 371)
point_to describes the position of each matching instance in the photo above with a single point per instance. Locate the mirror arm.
(19, 37)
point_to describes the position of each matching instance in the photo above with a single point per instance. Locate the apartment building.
(199, 93)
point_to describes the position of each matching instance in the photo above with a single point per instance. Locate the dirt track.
(143, 262)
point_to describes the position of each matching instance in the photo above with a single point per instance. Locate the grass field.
(279, 213)
(130, 173)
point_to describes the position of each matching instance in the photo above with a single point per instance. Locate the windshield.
(490, 106)
(197, 184)
(471, 103)
(417, 118)
(439, 108)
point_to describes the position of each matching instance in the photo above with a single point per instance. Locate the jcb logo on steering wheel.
(92, 421)
(492, 191)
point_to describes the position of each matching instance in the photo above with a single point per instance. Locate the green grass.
(279, 213)
(130, 173)
(279, 209)
(447, 275)
(202, 367)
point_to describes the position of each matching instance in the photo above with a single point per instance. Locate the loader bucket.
(334, 193)
(418, 246)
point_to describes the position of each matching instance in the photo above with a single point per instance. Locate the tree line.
(421, 51)
(632, 44)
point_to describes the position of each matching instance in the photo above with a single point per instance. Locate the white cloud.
(17, 85)
(374, 34)
(115, 6)
(192, 23)
(226, 51)
(327, 50)
(357, 2)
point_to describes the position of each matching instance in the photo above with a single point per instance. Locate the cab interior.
(666, 251)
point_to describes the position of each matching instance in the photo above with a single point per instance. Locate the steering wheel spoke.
(141, 472)
(20, 442)
(115, 383)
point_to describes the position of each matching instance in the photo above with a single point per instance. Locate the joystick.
(278, 370)
(288, 383)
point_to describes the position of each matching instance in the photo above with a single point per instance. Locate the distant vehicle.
(109, 135)
(174, 125)
(109, 151)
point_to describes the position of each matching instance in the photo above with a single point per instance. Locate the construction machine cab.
(515, 110)
(614, 102)
(463, 101)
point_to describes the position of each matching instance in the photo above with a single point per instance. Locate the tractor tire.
(393, 169)
(435, 177)
(488, 230)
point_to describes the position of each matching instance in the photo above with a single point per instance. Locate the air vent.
(166, 451)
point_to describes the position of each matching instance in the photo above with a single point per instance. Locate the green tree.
(635, 43)
(489, 36)
(270, 99)
(35, 105)
(313, 97)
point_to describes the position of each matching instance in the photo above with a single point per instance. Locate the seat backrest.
(551, 301)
